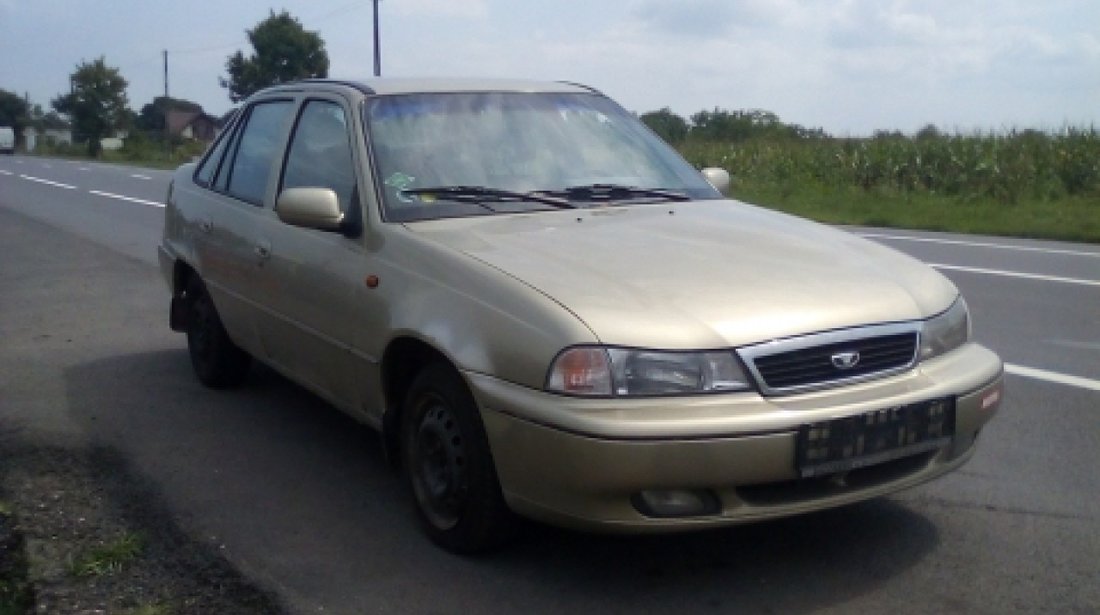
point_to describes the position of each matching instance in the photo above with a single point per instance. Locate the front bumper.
(582, 462)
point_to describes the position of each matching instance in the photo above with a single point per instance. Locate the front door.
(311, 278)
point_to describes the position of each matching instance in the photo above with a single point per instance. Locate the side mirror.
(719, 178)
(316, 208)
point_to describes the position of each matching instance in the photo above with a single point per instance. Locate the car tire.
(217, 361)
(448, 465)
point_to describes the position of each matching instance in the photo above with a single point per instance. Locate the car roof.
(386, 86)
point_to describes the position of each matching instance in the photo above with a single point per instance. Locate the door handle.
(205, 225)
(262, 250)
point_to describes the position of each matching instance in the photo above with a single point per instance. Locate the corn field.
(1006, 168)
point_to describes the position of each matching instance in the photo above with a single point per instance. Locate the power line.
(210, 48)
(340, 10)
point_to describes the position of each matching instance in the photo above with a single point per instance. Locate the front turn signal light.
(583, 370)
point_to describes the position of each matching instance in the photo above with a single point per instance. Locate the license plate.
(839, 445)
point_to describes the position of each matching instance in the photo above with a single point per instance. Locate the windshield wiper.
(614, 192)
(479, 195)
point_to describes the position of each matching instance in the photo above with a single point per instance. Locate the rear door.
(228, 209)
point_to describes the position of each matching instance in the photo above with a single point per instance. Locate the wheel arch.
(182, 272)
(403, 359)
(179, 311)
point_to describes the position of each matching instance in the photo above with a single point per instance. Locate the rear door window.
(256, 150)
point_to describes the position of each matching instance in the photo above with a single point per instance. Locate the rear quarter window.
(209, 165)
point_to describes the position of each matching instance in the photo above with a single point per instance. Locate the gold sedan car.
(546, 311)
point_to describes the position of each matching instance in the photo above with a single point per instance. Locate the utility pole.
(377, 45)
(167, 135)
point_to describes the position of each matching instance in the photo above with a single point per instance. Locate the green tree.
(284, 51)
(97, 104)
(13, 112)
(929, 132)
(669, 126)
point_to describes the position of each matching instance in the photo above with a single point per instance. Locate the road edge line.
(121, 197)
(1056, 377)
(1016, 274)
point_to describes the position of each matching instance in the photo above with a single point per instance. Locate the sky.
(848, 66)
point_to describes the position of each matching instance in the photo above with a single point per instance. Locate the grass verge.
(16, 594)
(1070, 218)
(91, 535)
(108, 558)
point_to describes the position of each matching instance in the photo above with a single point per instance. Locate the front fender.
(482, 319)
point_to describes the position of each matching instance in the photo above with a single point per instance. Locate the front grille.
(815, 365)
(811, 362)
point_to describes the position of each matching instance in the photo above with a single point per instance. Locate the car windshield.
(465, 154)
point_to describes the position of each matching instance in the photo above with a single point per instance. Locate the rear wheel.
(449, 466)
(218, 362)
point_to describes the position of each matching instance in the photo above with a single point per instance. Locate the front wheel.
(449, 466)
(218, 362)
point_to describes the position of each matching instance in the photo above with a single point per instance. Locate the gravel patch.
(82, 533)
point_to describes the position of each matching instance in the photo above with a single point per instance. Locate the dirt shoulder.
(80, 532)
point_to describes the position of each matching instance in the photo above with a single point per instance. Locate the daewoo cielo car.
(544, 310)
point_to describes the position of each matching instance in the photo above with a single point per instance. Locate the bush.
(138, 148)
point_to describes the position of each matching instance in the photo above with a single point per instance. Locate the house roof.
(179, 119)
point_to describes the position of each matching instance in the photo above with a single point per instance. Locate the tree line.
(723, 125)
(97, 106)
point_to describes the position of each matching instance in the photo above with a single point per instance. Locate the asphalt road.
(298, 497)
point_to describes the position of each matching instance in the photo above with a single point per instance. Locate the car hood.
(703, 274)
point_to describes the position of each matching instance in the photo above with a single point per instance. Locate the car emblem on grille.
(845, 360)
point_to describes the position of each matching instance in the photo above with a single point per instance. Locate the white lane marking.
(1049, 376)
(1074, 344)
(979, 244)
(1018, 274)
(121, 197)
(83, 169)
(3, 172)
(136, 176)
(47, 182)
(47, 165)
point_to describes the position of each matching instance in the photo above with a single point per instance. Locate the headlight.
(599, 371)
(945, 332)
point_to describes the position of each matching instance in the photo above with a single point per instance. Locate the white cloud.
(692, 18)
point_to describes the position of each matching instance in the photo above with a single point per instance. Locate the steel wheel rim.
(438, 466)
